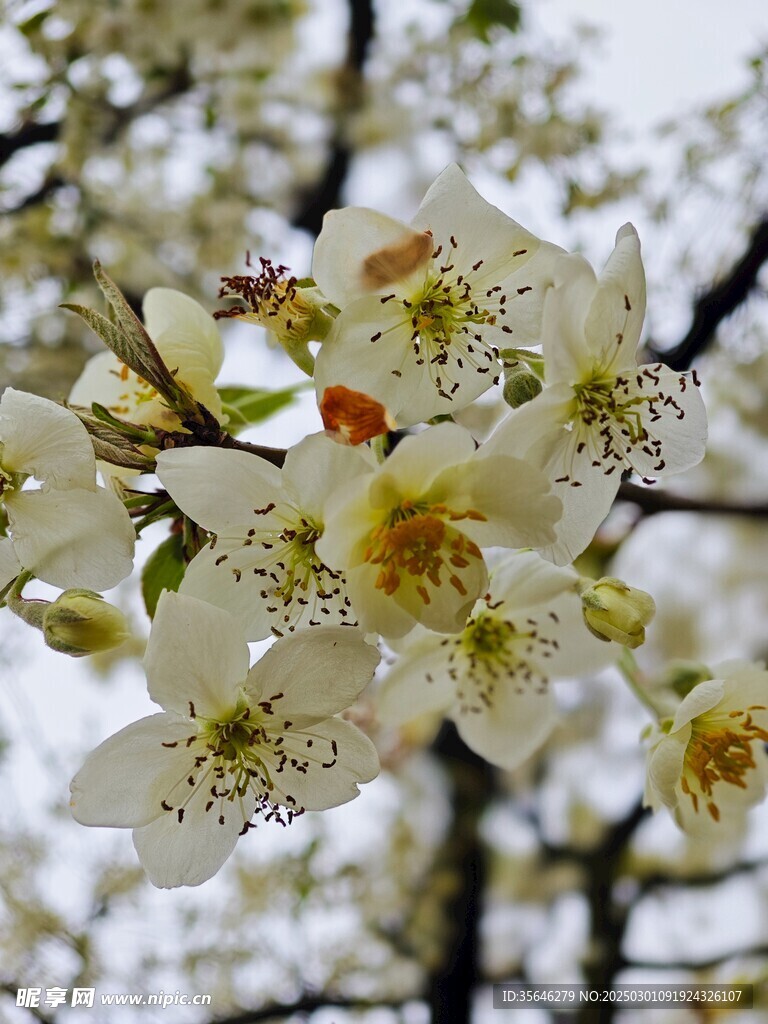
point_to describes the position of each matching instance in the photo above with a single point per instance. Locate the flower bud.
(81, 622)
(520, 387)
(614, 611)
(682, 676)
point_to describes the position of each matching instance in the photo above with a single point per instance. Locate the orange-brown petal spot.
(354, 415)
(394, 262)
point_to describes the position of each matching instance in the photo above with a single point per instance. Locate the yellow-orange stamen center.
(419, 541)
(721, 750)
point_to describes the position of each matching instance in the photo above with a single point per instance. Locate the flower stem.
(636, 681)
(31, 611)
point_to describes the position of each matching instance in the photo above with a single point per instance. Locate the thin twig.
(719, 302)
(305, 1005)
(651, 501)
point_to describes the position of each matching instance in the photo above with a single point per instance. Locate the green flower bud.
(614, 611)
(81, 622)
(520, 387)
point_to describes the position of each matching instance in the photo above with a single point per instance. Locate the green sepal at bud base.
(514, 359)
(81, 622)
(615, 611)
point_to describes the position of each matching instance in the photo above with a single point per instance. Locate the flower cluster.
(392, 528)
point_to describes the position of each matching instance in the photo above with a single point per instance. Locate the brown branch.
(719, 302)
(307, 1004)
(30, 134)
(178, 81)
(51, 185)
(452, 984)
(700, 965)
(608, 917)
(213, 436)
(38, 1014)
(701, 880)
(651, 501)
(328, 192)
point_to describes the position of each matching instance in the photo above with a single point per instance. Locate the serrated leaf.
(246, 406)
(142, 356)
(109, 333)
(110, 438)
(118, 456)
(164, 570)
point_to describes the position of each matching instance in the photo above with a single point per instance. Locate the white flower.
(188, 342)
(708, 764)
(262, 566)
(68, 532)
(493, 678)
(409, 535)
(231, 743)
(600, 413)
(425, 307)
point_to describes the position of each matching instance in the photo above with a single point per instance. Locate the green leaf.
(140, 346)
(164, 570)
(245, 406)
(485, 15)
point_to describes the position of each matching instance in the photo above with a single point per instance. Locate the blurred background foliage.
(170, 139)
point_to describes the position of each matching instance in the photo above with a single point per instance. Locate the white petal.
(578, 653)
(176, 316)
(349, 518)
(418, 683)
(10, 566)
(676, 423)
(514, 497)
(701, 699)
(584, 508)
(110, 383)
(452, 206)
(539, 423)
(102, 381)
(420, 458)
(376, 612)
(73, 538)
(386, 369)
(519, 720)
(745, 686)
(188, 342)
(523, 580)
(567, 355)
(124, 780)
(347, 239)
(616, 316)
(196, 653)
(665, 765)
(190, 852)
(537, 431)
(318, 671)
(218, 488)
(315, 468)
(41, 438)
(219, 585)
(340, 757)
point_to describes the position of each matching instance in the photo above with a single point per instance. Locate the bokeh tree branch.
(715, 305)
